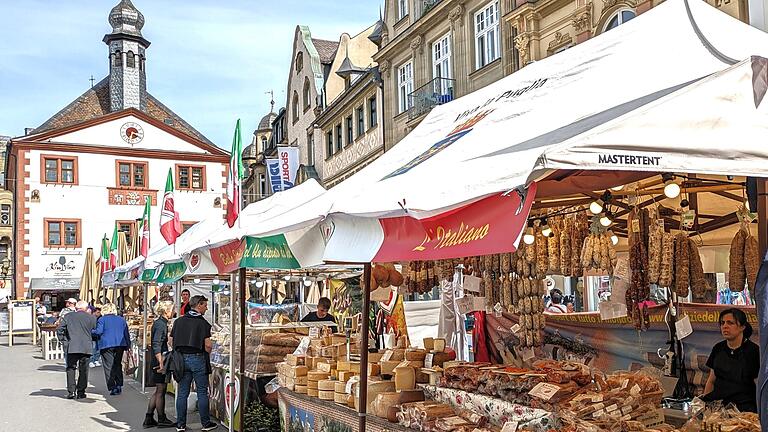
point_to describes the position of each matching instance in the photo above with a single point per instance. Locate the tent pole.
(143, 349)
(363, 406)
(243, 314)
(232, 374)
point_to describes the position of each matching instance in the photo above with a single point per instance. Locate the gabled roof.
(326, 49)
(94, 103)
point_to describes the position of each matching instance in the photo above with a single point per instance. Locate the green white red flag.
(113, 250)
(235, 178)
(144, 228)
(105, 261)
(170, 223)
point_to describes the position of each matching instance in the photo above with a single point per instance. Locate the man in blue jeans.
(191, 336)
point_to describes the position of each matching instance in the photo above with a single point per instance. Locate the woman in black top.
(163, 312)
(735, 363)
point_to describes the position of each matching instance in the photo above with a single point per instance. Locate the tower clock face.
(132, 133)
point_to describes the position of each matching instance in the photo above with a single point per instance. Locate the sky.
(210, 61)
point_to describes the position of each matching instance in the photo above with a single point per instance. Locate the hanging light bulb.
(529, 238)
(671, 189)
(258, 283)
(614, 238)
(307, 282)
(684, 203)
(287, 277)
(196, 280)
(546, 231)
(597, 206)
(605, 219)
(160, 285)
(216, 280)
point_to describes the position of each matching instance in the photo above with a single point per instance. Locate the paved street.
(34, 397)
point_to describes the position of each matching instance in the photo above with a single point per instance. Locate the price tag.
(635, 226)
(387, 355)
(688, 219)
(683, 327)
(314, 332)
(472, 284)
(510, 426)
(464, 304)
(635, 390)
(515, 328)
(497, 310)
(528, 354)
(544, 391)
(428, 360)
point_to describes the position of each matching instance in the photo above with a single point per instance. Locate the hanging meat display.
(744, 261)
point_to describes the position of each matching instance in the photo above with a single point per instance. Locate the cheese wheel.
(340, 398)
(326, 395)
(312, 385)
(342, 365)
(340, 387)
(317, 375)
(312, 392)
(326, 385)
(302, 389)
(302, 380)
(326, 366)
(355, 367)
(345, 375)
(415, 355)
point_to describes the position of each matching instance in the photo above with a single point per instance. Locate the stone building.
(351, 122)
(6, 225)
(94, 164)
(434, 51)
(310, 68)
(256, 186)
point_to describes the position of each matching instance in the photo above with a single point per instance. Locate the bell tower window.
(130, 60)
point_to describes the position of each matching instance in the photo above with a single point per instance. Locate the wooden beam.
(693, 200)
(641, 205)
(708, 188)
(715, 224)
(731, 196)
(561, 203)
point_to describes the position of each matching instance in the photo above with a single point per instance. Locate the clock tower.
(127, 68)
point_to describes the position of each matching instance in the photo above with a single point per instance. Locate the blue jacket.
(112, 332)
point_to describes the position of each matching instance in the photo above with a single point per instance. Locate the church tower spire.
(127, 69)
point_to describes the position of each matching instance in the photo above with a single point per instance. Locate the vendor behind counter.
(323, 306)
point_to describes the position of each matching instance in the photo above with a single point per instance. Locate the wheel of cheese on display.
(340, 387)
(317, 375)
(326, 385)
(312, 385)
(326, 395)
(340, 398)
(301, 389)
(312, 392)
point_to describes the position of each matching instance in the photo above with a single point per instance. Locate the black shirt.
(735, 374)
(189, 334)
(312, 317)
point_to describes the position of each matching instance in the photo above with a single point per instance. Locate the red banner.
(488, 226)
(227, 258)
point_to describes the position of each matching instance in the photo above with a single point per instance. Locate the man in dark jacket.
(75, 334)
(191, 336)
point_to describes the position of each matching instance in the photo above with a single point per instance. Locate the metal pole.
(232, 375)
(143, 349)
(243, 314)
(363, 406)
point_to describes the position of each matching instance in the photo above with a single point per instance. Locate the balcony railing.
(436, 92)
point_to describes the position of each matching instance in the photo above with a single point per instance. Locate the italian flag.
(235, 177)
(144, 228)
(113, 250)
(170, 223)
(105, 258)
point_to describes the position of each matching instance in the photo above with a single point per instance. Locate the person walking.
(113, 339)
(191, 337)
(95, 360)
(164, 311)
(74, 332)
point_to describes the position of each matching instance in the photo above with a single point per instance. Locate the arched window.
(307, 97)
(130, 60)
(619, 17)
(299, 62)
(295, 106)
(117, 58)
(263, 143)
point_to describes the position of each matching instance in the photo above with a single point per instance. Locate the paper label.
(497, 310)
(683, 327)
(597, 398)
(635, 390)
(472, 284)
(314, 332)
(610, 408)
(387, 356)
(544, 391)
(635, 226)
(528, 354)
(626, 409)
(688, 219)
(304, 345)
(510, 426)
(515, 328)
(598, 413)
(464, 304)
(428, 360)
(625, 383)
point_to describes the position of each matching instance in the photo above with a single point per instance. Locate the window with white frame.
(487, 35)
(402, 9)
(441, 64)
(619, 18)
(405, 86)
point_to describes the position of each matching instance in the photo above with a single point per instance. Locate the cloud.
(210, 61)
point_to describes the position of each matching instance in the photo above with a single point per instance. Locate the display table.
(298, 409)
(498, 411)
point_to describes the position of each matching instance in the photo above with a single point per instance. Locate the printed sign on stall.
(288, 158)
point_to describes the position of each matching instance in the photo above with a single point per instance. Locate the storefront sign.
(227, 257)
(627, 159)
(491, 225)
(171, 272)
(268, 252)
(148, 275)
(137, 197)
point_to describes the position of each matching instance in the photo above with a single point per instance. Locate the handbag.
(129, 363)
